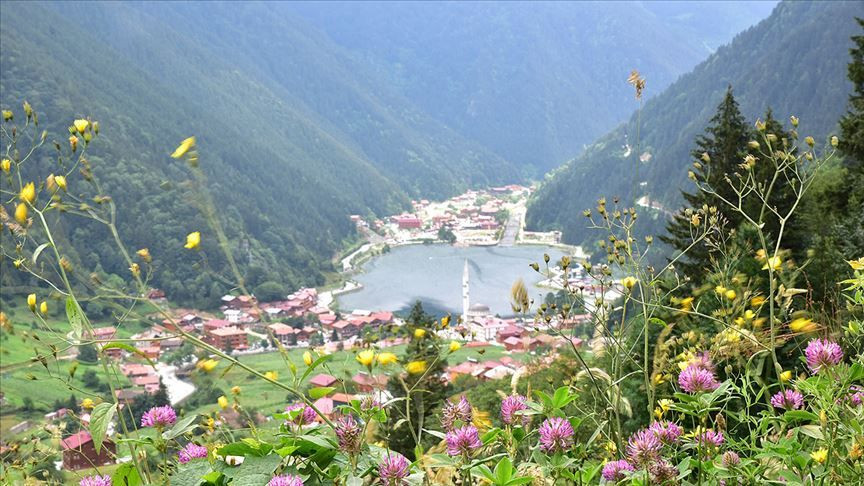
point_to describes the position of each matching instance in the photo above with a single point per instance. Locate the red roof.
(323, 380)
(216, 324)
(369, 380)
(77, 440)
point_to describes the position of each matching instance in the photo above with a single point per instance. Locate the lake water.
(433, 274)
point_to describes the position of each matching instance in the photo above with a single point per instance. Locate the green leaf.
(503, 471)
(490, 435)
(126, 475)
(99, 420)
(320, 391)
(181, 427)
(314, 365)
(38, 251)
(812, 431)
(794, 415)
(254, 471)
(75, 316)
(191, 473)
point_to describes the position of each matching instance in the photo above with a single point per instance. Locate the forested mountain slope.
(793, 62)
(286, 167)
(533, 81)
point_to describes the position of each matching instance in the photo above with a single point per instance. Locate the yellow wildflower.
(31, 302)
(454, 346)
(835, 141)
(419, 333)
(720, 289)
(740, 321)
(773, 262)
(857, 264)
(416, 367)
(60, 181)
(695, 219)
(820, 456)
(193, 240)
(611, 447)
(758, 323)
(749, 315)
(43, 307)
(7, 115)
(480, 419)
(207, 365)
(665, 404)
(223, 402)
(307, 358)
(73, 142)
(81, 125)
(809, 140)
(28, 193)
(730, 294)
(366, 357)
(144, 254)
(88, 403)
(6, 165)
(757, 301)
(686, 304)
(445, 321)
(785, 376)
(235, 390)
(803, 324)
(271, 375)
(794, 120)
(184, 147)
(658, 379)
(385, 359)
(135, 269)
(628, 282)
(855, 451)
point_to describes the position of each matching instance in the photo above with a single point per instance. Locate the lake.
(433, 274)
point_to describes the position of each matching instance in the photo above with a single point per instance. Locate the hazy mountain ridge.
(533, 82)
(792, 62)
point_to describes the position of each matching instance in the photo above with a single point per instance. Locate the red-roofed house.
(510, 331)
(323, 380)
(215, 324)
(408, 221)
(367, 383)
(79, 452)
(225, 337)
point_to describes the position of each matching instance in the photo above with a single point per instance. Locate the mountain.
(532, 81)
(793, 62)
(293, 134)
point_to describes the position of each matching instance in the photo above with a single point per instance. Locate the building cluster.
(473, 217)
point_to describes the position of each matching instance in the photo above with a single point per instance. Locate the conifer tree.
(718, 152)
(837, 207)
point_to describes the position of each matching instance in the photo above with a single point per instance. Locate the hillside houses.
(484, 370)
(227, 338)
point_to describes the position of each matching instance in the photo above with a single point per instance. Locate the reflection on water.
(433, 274)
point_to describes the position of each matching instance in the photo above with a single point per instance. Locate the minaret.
(465, 301)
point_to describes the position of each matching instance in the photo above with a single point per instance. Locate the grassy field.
(20, 377)
(268, 398)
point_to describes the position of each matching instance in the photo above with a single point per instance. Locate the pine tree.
(718, 153)
(836, 207)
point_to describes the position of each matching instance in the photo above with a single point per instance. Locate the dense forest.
(790, 63)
